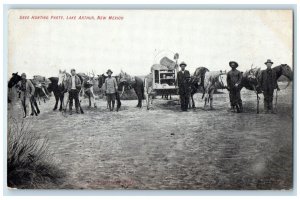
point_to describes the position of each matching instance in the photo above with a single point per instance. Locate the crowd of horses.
(202, 80)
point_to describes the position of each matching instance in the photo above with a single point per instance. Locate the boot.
(109, 105)
(241, 106)
(113, 105)
(77, 110)
(272, 109)
(266, 110)
(71, 111)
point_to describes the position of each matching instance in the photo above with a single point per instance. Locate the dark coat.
(268, 80)
(233, 77)
(183, 80)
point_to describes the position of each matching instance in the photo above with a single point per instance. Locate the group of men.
(267, 83)
(234, 77)
(74, 86)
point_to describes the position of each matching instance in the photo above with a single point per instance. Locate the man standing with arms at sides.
(234, 78)
(111, 89)
(26, 94)
(74, 86)
(268, 84)
(183, 79)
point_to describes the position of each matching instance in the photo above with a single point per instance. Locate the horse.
(128, 82)
(101, 81)
(58, 87)
(251, 79)
(197, 82)
(87, 88)
(13, 82)
(208, 82)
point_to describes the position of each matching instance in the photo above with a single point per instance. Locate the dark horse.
(128, 82)
(59, 89)
(14, 81)
(101, 81)
(251, 78)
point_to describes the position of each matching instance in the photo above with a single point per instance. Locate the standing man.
(268, 83)
(73, 87)
(183, 79)
(111, 89)
(26, 94)
(234, 78)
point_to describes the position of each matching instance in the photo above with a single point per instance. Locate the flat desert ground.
(164, 148)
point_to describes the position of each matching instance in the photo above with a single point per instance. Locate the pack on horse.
(13, 82)
(251, 79)
(87, 88)
(40, 83)
(127, 82)
(101, 81)
(208, 82)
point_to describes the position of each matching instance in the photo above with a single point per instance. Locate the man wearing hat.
(111, 89)
(26, 94)
(234, 78)
(73, 87)
(183, 80)
(268, 83)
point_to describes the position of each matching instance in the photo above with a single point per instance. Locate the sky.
(209, 38)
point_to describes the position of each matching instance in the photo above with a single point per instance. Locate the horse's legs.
(33, 101)
(211, 99)
(56, 101)
(193, 102)
(93, 97)
(61, 102)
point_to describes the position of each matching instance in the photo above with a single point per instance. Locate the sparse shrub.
(29, 163)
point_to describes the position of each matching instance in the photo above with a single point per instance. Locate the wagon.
(165, 77)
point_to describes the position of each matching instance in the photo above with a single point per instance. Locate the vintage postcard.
(150, 99)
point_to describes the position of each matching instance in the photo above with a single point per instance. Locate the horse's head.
(62, 77)
(125, 80)
(101, 80)
(286, 71)
(14, 80)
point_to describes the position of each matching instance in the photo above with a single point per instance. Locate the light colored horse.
(148, 90)
(212, 82)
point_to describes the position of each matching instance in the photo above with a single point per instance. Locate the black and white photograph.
(116, 99)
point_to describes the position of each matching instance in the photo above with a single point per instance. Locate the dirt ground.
(164, 148)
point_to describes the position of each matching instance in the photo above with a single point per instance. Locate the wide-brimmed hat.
(269, 61)
(233, 62)
(109, 71)
(23, 74)
(182, 64)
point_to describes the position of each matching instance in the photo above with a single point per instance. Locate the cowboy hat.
(182, 64)
(109, 71)
(269, 61)
(233, 62)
